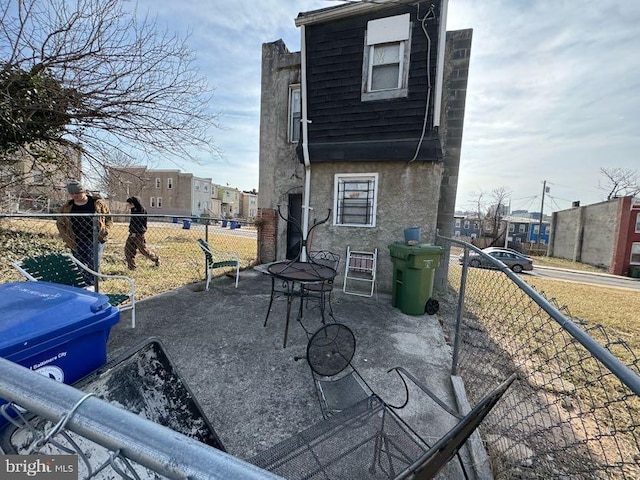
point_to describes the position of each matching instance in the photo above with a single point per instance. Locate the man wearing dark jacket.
(137, 229)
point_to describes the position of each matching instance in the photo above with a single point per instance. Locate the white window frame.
(385, 32)
(458, 221)
(522, 228)
(170, 183)
(634, 257)
(638, 223)
(295, 114)
(158, 182)
(159, 202)
(152, 202)
(339, 180)
(512, 228)
(467, 224)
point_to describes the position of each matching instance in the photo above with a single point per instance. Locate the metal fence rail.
(172, 239)
(575, 413)
(137, 448)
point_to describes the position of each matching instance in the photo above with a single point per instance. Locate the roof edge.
(343, 11)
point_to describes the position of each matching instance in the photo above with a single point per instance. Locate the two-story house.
(229, 201)
(162, 191)
(363, 126)
(249, 204)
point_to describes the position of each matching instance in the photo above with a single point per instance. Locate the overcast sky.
(553, 94)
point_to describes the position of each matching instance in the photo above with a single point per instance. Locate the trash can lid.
(35, 311)
(404, 251)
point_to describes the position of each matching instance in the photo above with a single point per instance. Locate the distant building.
(605, 234)
(230, 201)
(249, 204)
(163, 192)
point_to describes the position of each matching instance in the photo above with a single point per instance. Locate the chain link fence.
(172, 239)
(575, 411)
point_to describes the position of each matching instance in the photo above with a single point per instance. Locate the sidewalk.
(252, 390)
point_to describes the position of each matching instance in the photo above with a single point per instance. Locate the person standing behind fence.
(77, 232)
(136, 241)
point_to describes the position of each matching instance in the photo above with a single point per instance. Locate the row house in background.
(229, 201)
(363, 126)
(249, 204)
(162, 191)
(526, 230)
(466, 226)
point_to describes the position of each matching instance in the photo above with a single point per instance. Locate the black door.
(294, 235)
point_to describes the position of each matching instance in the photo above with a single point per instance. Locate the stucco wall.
(408, 195)
(586, 234)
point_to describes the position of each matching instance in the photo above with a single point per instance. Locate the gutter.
(442, 41)
(305, 142)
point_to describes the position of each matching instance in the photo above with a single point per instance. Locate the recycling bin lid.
(404, 251)
(35, 311)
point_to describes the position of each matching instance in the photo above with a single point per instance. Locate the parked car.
(514, 260)
(505, 249)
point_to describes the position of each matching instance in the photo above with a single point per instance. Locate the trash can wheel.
(432, 306)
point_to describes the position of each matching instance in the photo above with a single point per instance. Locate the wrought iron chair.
(65, 269)
(320, 291)
(361, 435)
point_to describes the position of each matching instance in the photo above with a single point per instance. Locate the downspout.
(305, 141)
(442, 41)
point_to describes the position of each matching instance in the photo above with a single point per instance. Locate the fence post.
(96, 252)
(459, 312)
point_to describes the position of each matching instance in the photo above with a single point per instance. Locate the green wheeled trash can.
(414, 269)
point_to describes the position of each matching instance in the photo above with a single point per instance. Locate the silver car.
(515, 261)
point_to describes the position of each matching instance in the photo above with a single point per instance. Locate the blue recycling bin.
(174, 219)
(186, 224)
(233, 225)
(224, 224)
(58, 331)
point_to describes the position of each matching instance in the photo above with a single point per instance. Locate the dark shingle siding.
(334, 76)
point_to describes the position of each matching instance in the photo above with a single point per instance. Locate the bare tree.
(490, 209)
(90, 74)
(619, 182)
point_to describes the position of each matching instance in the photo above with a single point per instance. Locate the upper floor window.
(385, 66)
(457, 222)
(152, 202)
(521, 228)
(158, 183)
(466, 224)
(169, 183)
(197, 186)
(159, 202)
(294, 113)
(512, 228)
(536, 228)
(206, 188)
(355, 199)
(638, 223)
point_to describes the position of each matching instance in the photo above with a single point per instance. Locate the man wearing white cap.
(77, 232)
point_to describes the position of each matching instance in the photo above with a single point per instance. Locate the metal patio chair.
(320, 291)
(217, 258)
(65, 269)
(361, 435)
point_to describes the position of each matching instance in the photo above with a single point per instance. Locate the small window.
(294, 114)
(522, 228)
(152, 202)
(457, 222)
(638, 223)
(457, 233)
(635, 253)
(355, 199)
(536, 228)
(385, 69)
(158, 183)
(512, 228)
(206, 188)
(159, 202)
(466, 224)
(197, 186)
(169, 183)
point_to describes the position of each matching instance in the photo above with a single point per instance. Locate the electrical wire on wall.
(430, 15)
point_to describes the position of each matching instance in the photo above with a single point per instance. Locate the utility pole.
(544, 190)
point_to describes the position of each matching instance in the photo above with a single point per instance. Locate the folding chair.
(360, 267)
(217, 258)
(65, 269)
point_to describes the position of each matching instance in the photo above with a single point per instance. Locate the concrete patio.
(253, 390)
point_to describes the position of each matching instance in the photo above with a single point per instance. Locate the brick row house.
(363, 125)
